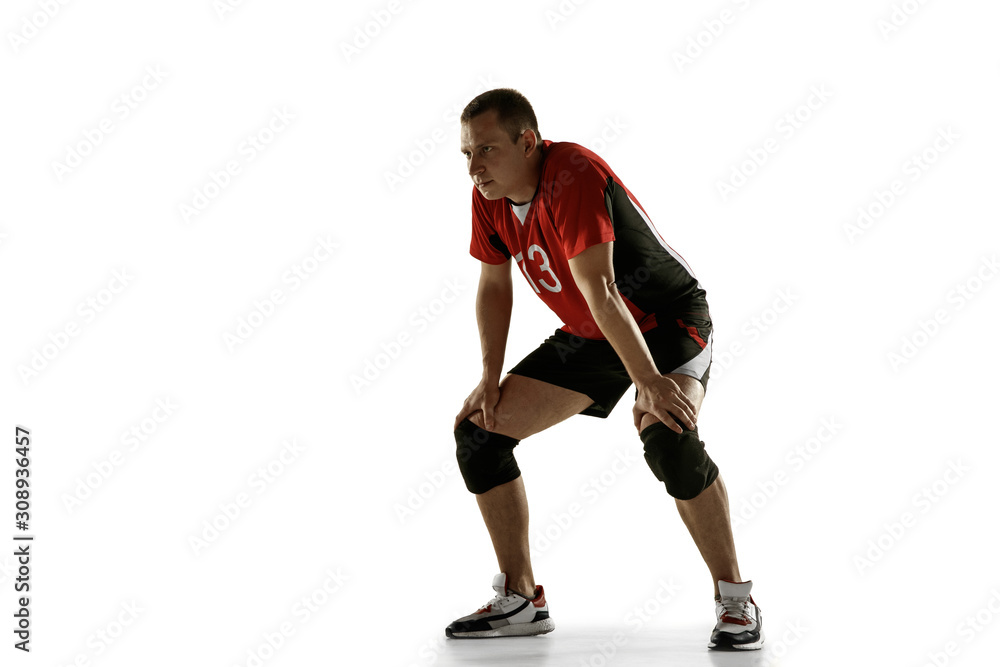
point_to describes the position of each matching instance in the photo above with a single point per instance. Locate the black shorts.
(592, 367)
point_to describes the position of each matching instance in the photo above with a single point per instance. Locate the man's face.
(497, 166)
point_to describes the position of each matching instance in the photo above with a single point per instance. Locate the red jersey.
(580, 202)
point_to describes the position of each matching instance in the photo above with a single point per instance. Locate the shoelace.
(495, 600)
(736, 607)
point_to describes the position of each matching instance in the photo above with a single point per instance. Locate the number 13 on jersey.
(534, 250)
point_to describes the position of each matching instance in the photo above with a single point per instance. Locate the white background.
(372, 496)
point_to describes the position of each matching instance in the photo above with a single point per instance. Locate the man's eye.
(487, 148)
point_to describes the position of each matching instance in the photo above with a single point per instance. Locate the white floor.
(598, 647)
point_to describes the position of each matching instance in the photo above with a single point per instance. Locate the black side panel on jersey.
(497, 243)
(646, 273)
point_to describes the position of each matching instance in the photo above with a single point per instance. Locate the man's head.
(514, 112)
(502, 145)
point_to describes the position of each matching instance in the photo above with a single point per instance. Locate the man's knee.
(486, 459)
(679, 460)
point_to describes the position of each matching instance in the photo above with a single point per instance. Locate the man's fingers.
(488, 421)
(639, 415)
(668, 420)
(664, 415)
(466, 410)
(687, 416)
(691, 420)
(683, 410)
(677, 412)
(686, 401)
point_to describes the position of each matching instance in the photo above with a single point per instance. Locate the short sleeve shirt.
(579, 203)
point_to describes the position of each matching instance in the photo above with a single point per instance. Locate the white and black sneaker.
(739, 618)
(508, 614)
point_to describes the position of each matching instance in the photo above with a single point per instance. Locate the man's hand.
(663, 398)
(484, 398)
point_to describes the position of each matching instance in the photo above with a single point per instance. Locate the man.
(632, 308)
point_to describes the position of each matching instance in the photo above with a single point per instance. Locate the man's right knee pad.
(486, 459)
(679, 460)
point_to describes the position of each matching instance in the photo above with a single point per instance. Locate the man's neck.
(538, 177)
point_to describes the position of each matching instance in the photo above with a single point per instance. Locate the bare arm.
(594, 275)
(494, 301)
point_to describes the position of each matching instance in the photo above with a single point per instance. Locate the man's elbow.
(603, 298)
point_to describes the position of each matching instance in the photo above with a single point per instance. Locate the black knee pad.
(679, 460)
(486, 459)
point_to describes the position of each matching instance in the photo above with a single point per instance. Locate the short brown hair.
(514, 112)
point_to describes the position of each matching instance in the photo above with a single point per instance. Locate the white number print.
(544, 266)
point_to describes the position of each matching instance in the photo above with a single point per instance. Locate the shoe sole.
(751, 646)
(515, 630)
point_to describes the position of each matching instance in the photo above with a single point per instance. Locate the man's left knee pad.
(679, 460)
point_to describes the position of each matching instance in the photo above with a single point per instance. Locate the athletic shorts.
(592, 367)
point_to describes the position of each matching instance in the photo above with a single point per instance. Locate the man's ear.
(530, 142)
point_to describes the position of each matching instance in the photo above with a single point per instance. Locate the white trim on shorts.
(697, 366)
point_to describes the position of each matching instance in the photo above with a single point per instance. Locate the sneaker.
(739, 618)
(508, 614)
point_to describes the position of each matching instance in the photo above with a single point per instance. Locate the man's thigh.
(528, 406)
